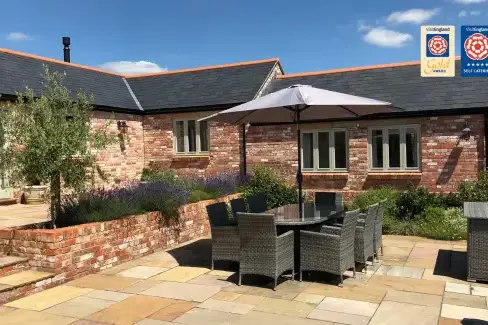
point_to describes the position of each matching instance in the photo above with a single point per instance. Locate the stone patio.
(417, 281)
(17, 215)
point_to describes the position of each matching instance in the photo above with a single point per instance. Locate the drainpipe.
(244, 156)
(486, 140)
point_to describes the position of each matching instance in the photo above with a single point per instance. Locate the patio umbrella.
(300, 103)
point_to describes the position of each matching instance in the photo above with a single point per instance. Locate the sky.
(141, 36)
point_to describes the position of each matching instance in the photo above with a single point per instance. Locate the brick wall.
(124, 160)
(225, 146)
(445, 161)
(76, 251)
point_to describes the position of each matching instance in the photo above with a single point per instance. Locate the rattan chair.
(225, 233)
(329, 199)
(330, 250)
(238, 205)
(257, 203)
(262, 251)
(378, 229)
(364, 242)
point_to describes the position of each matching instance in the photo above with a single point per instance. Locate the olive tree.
(49, 137)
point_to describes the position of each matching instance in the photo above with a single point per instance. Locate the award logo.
(437, 57)
(474, 51)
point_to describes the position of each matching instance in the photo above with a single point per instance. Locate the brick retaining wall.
(75, 251)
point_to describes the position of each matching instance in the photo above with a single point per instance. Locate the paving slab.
(270, 293)
(142, 271)
(173, 311)
(182, 291)
(212, 281)
(11, 260)
(86, 322)
(24, 278)
(250, 299)
(421, 263)
(458, 299)
(309, 298)
(461, 312)
(449, 321)
(149, 321)
(103, 282)
(198, 316)
(401, 271)
(348, 306)
(285, 307)
(108, 295)
(414, 298)
(260, 318)
(5, 310)
(226, 296)
(458, 288)
(479, 291)
(181, 274)
(79, 307)
(119, 268)
(48, 298)
(403, 243)
(406, 284)
(222, 273)
(390, 312)
(24, 317)
(140, 286)
(226, 306)
(424, 252)
(332, 316)
(130, 310)
(362, 293)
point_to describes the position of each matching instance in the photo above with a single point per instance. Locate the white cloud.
(467, 2)
(132, 67)
(387, 38)
(18, 36)
(475, 12)
(362, 27)
(413, 16)
(463, 13)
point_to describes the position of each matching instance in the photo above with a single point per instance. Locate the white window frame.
(386, 152)
(186, 142)
(332, 167)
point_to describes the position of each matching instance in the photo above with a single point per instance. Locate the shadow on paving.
(469, 321)
(451, 264)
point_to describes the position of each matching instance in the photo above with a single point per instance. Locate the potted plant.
(34, 192)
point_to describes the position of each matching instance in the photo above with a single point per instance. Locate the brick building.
(425, 144)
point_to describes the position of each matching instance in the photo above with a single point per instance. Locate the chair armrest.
(330, 230)
(362, 216)
(285, 241)
(312, 238)
(361, 222)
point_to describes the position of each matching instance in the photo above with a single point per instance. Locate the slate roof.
(226, 85)
(399, 84)
(19, 71)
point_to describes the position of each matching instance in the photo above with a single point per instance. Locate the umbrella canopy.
(301, 103)
(313, 104)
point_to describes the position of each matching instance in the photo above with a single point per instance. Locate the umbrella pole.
(299, 173)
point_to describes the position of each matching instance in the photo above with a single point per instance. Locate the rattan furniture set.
(260, 249)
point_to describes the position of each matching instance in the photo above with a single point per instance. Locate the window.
(324, 150)
(190, 137)
(394, 148)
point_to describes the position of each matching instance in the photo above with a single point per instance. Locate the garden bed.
(75, 251)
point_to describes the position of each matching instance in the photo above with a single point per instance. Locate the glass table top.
(312, 214)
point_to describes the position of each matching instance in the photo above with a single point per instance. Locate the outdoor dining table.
(314, 216)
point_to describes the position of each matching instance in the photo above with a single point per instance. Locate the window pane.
(180, 137)
(340, 149)
(377, 148)
(307, 150)
(324, 161)
(192, 136)
(394, 148)
(204, 136)
(412, 144)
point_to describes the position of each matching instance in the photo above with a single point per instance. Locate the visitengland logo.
(437, 51)
(474, 51)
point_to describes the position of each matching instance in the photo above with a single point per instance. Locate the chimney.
(66, 43)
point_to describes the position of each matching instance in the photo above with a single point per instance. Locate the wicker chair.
(257, 203)
(329, 199)
(330, 250)
(378, 229)
(364, 242)
(238, 205)
(225, 233)
(262, 251)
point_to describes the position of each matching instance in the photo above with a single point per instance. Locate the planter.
(35, 194)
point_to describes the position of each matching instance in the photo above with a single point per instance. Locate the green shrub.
(474, 191)
(266, 180)
(198, 195)
(443, 224)
(412, 202)
(372, 196)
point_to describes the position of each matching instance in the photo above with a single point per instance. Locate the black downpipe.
(486, 140)
(244, 151)
(299, 172)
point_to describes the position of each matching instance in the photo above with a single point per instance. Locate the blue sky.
(306, 35)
